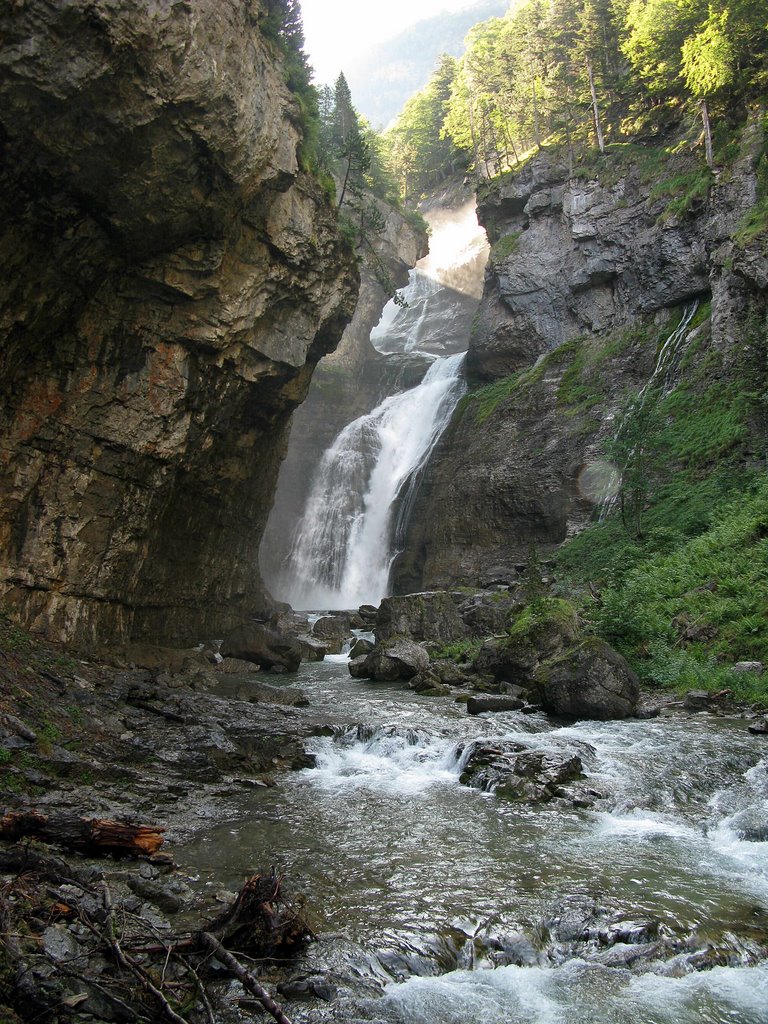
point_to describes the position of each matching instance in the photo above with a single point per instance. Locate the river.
(465, 906)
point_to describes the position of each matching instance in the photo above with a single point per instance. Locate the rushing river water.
(476, 906)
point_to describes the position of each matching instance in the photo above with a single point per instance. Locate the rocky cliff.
(170, 280)
(588, 276)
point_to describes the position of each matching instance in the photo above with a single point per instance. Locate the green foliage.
(458, 651)
(542, 614)
(574, 73)
(687, 191)
(505, 247)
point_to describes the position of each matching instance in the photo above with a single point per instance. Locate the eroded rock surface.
(171, 279)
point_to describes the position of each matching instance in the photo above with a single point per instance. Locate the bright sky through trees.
(337, 32)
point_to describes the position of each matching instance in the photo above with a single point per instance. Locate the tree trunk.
(93, 836)
(595, 111)
(707, 134)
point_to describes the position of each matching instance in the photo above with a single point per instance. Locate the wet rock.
(515, 949)
(428, 616)
(759, 728)
(358, 667)
(264, 646)
(333, 631)
(518, 772)
(479, 705)
(589, 681)
(392, 660)
(361, 647)
(316, 987)
(169, 895)
(428, 685)
(312, 649)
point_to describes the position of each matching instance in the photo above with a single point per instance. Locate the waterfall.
(663, 378)
(342, 551)
(364, 486)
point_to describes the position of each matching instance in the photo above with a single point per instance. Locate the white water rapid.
(345, 543)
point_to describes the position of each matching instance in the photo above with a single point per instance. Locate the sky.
(337, 31)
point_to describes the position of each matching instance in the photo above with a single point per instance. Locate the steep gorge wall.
(170, 280)
(591, 261)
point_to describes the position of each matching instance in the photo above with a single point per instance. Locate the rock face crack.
(171, 278)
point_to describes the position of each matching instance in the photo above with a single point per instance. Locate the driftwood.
(92, 836)
(261, 921)
(245, 977)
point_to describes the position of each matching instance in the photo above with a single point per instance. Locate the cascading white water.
(342, 553)
(344, 545)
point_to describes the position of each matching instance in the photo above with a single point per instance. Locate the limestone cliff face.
(574, 258)
(170, 280)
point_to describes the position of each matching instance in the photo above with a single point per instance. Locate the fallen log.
(261, 920)
(92, 836)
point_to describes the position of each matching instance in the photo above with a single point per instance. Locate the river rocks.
(429, 616)
(517, 772)
(394, 659)
(163, 311)
(264, 646)
(588, 681)
(333, 631)
(312, 649)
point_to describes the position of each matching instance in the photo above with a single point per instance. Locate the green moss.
(458, 651)
(505, 247)
(752, 225)
(544, 614)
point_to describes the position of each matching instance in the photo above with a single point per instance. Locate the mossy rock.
(588, 681)
(542, 630)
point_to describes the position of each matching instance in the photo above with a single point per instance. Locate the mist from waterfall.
(343, 546)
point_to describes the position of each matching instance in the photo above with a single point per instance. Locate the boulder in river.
(333, 631)
(253, 641)
(516, 771)
(590, 680)
(477, 705)
(545, 628)
(398, 658)
(430, 616)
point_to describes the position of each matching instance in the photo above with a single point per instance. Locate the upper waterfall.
(343, 546)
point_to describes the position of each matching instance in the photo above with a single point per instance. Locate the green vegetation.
(592, 76)
(681, 564)
(505, 246)
(458, 651)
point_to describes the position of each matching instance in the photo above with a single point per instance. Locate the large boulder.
(333, 631)
(591, 680)
(543, 629)
(420, 617)
(399, 658)
(489, 611)
(263, 646)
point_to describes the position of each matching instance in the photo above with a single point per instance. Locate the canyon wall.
(171, 277)
(588, 273)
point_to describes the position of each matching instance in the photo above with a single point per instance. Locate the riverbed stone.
(264, 646)
(590, 680)
(361, 646)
